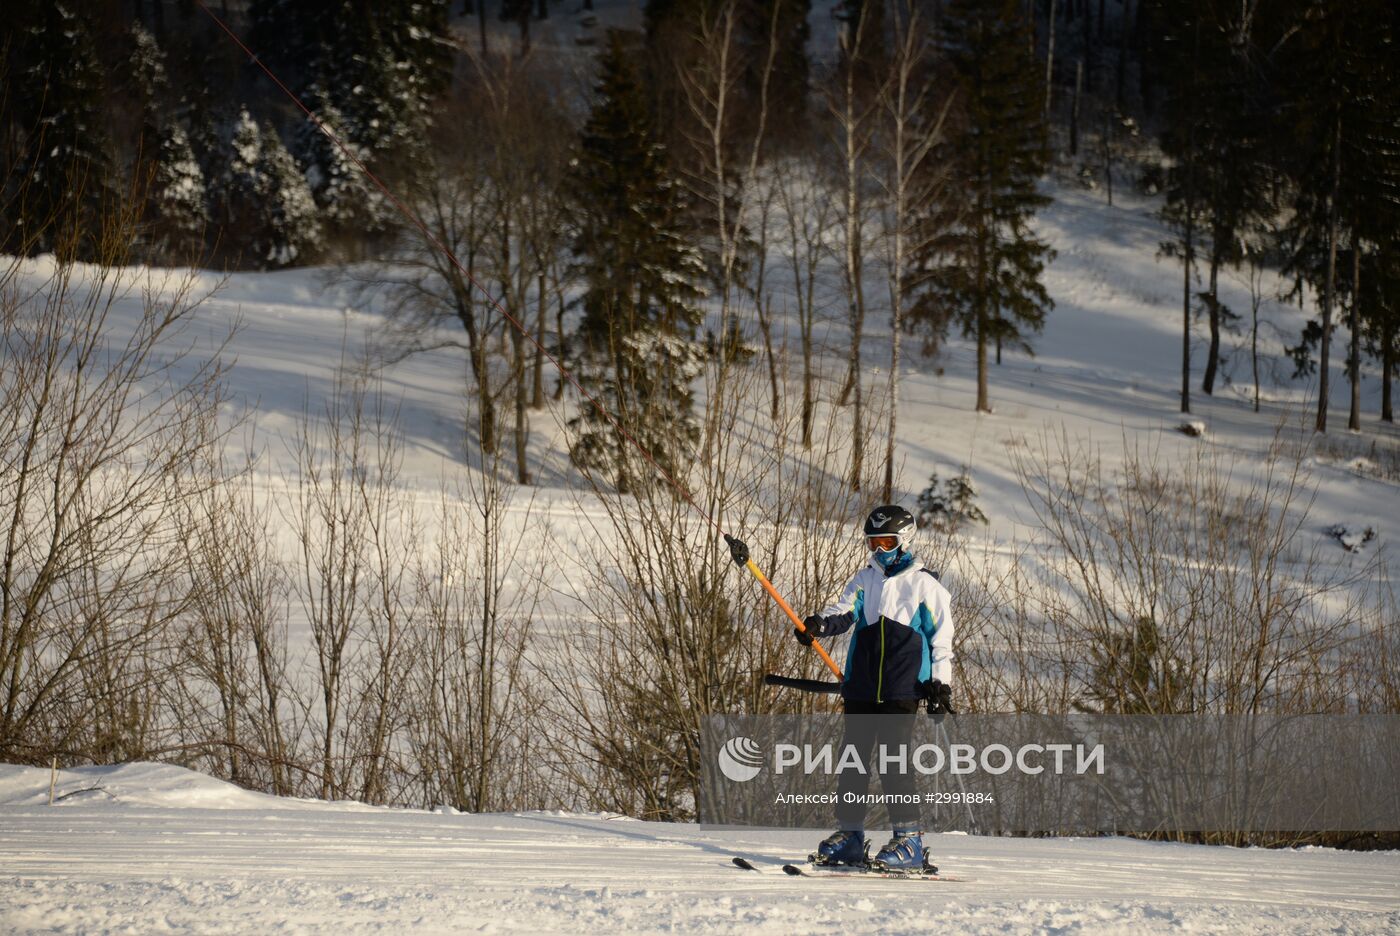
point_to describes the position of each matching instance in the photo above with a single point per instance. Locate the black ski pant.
(893, 728)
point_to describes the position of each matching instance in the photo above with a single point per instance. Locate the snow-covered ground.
(147, 848)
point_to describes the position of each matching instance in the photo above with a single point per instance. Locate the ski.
(852, 871)
(746, 864)
(807, 869)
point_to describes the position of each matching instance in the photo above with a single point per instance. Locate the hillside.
(1105, 373)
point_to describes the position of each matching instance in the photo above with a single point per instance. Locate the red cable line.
(429, 236)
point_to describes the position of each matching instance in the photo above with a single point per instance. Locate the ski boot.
(844, 847)
(905, 852)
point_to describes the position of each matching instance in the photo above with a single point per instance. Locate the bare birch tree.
(909, 134)
(809, 219)
(853, 105)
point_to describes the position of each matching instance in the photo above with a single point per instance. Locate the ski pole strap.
(737, 549)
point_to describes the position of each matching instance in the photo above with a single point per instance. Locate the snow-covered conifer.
(264, 209)
(380, 64)
(641, 300)
(292, 229)
(147, 64)
(178, 199)
(348, 203)
(384, 106)
(981, 264)
(239, 188)
(56, 144)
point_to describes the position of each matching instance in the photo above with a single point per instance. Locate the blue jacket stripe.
(926, 629)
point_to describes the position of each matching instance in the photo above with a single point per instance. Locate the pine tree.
(979, 264)
(56, 147)
(350, 206)
(1329, 80)
(176, 213)
(291, 230)
(637, 336)
(1218, 140)
(262, 206)
(379, 64)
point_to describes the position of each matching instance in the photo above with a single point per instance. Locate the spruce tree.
(237, 193)
(146, 67)
(56, 147)
(1329, 73)
(1219, 112)
(1174, 60)
(264, 211)
(350, 206)
(291, 228)
(637, 336)
(1375, 156)
(1380, 298)
(978, 263)
(178, 199)
(380, 65)
(176, 212)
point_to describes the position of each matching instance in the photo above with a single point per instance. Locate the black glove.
(813, 624)
(939, 698)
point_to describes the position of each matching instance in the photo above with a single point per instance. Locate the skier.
(901, 653)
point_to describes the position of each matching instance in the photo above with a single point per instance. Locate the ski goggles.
(882, 543)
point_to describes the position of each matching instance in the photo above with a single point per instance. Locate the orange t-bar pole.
(740, 552)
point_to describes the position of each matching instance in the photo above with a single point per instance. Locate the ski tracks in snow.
(166, 853)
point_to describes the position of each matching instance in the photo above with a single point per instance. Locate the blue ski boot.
(844, 847)
(905, 852)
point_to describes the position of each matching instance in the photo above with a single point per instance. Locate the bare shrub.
(105, 411)
(1190, 587)
(237, 702)
(475, 738)
(354, 531)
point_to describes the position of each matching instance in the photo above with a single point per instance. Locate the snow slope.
(150, 848)
(1106, 369)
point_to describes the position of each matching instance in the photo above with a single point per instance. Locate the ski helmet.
(891, 520)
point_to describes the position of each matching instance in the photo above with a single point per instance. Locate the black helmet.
(891, 520)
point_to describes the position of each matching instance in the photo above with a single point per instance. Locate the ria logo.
(740, 759)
